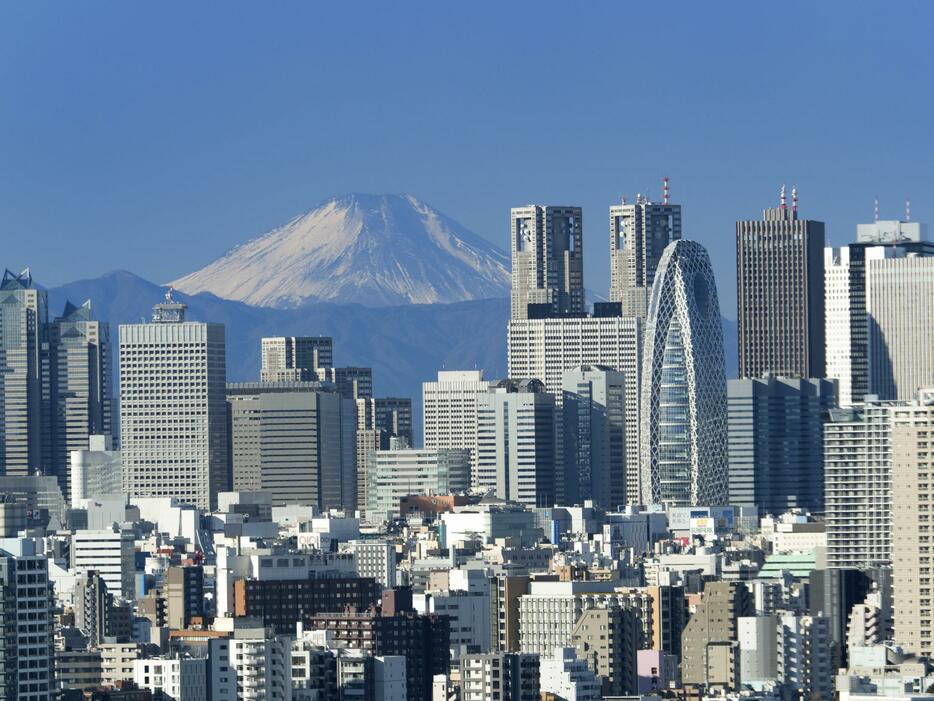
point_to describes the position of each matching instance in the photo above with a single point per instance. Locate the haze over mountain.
(374, 250)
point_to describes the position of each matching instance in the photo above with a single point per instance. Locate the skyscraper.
(547, 261)
(25, 431)
(450, 410)
(775, 440)
(639, 233)
(516, 442)
(780, 294)
(594, 418)
(900, 313)
(295, 358)
(294, 440)
(912, 494)
(683, 407)
(80, 376)
(173, 409)
(846, 321)
(547, 348)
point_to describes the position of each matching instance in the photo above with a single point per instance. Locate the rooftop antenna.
(876, 209)
(622, 199)
(665, 190)
(908, 210)
(794, 199)
(782, 197)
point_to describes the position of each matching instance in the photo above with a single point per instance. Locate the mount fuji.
(373, 250)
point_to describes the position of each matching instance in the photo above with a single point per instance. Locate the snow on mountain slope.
(375, 250)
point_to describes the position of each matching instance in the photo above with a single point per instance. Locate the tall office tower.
(96, 471)
(516, 442)
(378, 420)
(295, 440)
(295, 358)
(547, 348)
(93, 603)
(109, 553)
(25, 417)
(351, 382)
(912, 498)
(510, 676)
(775, 442)
(900, 311)
(547, 261)
(639, 233)
(449, 407)
(709, 642)
(683, 403)
(173, 409)
(393, 416)
(780, 294)
(847, 328)
(80, 375)
(858, 485)
(594, 423)
(26, 619)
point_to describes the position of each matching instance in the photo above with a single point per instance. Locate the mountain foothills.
(376, 250)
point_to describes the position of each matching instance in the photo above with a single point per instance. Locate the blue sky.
(154, 136)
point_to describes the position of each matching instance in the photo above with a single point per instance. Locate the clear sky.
(155, 136)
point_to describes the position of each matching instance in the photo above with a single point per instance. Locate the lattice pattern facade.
(683, 404)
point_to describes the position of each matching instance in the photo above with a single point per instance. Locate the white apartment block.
(900, 308)
(450, 410)
(545, 349)
(845, 328)
(108, 552)
(568, 678)
(173, 409)
(179, 679)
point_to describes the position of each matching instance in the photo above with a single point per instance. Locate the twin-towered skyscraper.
(660, 333)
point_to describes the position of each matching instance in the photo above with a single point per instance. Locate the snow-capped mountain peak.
(376, 250)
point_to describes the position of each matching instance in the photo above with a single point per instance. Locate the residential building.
(594, 424)
(117, 661)
(173, 413)
(376, 559)
(176, 678)
(780, 294)
(184, 595)
(709, 647)
(508, 676)
(294, 440)
(804, 655)
(775, 442)
(565, 677)
(93, 605)
(547, 261)
(912, 499)
(77, 669)
(295, 358)
(607, 640)
(639, 233)
(516, 442)
(683, 404)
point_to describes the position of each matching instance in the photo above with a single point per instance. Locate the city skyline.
(128, 172)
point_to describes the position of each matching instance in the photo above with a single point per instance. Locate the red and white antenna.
(907, 210)
(782, 197)
(794, 199)
(876, 209)
(665, 190)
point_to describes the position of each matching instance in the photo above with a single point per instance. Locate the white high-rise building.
(254, 663)
(566, 677)
(376, 559)
(547, 261)
(176, 678)
(516, 443)
(683, 408)
(398, 473)
(173, 409)
(547, 348)
(95, 471)
(109, 553)
(900, 309)
(449, 408)
(295, 358)
(858, 485)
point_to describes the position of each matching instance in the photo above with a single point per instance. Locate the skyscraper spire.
(782, 197)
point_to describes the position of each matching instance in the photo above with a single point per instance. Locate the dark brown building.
(283, 603)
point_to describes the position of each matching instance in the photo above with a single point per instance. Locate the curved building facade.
(683, 430)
